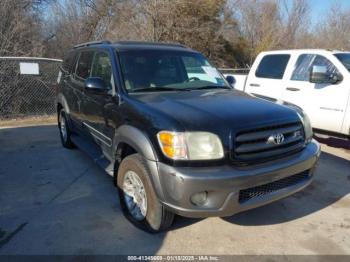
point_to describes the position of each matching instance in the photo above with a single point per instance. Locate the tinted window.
(162, 69)
(272, 66)
(345, 59)
(102, 67)
(304, 64)
(84, 64)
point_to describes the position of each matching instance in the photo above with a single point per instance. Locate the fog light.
(200, 198)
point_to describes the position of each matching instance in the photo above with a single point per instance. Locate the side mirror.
(320, 75)
(231, 80)
(95, 84)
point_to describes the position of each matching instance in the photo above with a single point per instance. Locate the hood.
(210, 109)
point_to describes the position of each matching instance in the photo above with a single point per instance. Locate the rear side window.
(306, 61)
(84, 64)
(272, 66)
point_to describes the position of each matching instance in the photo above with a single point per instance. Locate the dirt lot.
(57, 201)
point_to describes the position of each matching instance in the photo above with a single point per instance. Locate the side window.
(322, 61)
(102, 67)
(304, 64)
(84, 64)
(272, 66)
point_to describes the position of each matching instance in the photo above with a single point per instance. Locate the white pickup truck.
(318, 81)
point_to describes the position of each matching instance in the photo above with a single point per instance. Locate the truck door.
(82, 72)
(69, 89)
(265, 78)
(324, 103)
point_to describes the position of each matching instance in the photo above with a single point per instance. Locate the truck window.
(272, 66)
(102, 67)
(344, 58)
(150, 69)
(84, 64)
(304, 64)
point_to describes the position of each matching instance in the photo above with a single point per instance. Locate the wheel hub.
(135, 195)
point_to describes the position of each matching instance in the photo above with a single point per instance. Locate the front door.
(324, 103)
(97, 105)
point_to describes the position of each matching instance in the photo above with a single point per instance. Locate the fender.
(62, 100)
(137, 139)
(141, 143)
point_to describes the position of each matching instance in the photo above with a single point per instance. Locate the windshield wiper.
(159, 88)
(209, 87)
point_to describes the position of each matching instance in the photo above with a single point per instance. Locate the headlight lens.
(307, 126)
(190, 145)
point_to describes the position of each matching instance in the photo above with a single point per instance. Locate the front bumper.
(223, 184)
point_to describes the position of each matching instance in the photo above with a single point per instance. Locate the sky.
(319, 8)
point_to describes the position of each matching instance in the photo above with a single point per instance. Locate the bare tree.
(334, 31)
(295, 22)
(19, 28)
(260, 24)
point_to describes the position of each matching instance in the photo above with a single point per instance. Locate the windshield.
(345, 59)
(165, 70)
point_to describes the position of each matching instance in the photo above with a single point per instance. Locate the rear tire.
(65, 133)
(137, 197)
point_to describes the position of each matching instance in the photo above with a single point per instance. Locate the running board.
(93, 151)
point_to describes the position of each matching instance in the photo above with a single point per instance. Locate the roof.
(298, 51)
(136, 45)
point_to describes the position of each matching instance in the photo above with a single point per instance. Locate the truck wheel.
(137, 197)
(65, 133)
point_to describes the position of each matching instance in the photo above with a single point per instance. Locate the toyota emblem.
(276, 139)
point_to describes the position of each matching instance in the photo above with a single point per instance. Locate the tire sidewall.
(153, 220)
(66, 143)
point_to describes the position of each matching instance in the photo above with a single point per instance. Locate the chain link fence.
(27, 86)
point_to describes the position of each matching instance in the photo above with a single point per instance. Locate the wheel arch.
(61, 102)
(127, 135)
(129, 140)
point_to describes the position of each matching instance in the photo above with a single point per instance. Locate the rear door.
(325, 104)
(82, 72)
(68, 87)
(266, 77)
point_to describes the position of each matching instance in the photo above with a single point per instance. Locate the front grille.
(247, 194)
(257, 145)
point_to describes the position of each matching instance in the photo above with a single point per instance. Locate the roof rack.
(92, 43)
(150, 43)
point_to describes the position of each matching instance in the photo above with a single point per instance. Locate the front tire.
(137, 197)
(65, 133)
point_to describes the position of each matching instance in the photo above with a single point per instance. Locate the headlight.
(190, 145)
(307, 126)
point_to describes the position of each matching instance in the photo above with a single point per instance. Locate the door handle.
(292, 89)
(256, 85)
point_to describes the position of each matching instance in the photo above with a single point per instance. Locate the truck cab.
(318, 81)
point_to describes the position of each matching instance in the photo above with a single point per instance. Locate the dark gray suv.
(174, 134)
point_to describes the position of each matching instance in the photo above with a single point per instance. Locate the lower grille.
(247, 194)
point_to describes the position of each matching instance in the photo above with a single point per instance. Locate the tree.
(334, 31)
(20, 31)
(295, 23)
